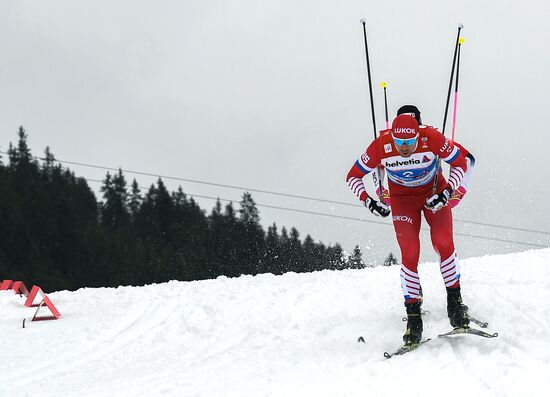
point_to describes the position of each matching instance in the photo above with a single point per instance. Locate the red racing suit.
(410, 182)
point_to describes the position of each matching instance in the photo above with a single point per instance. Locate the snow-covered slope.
(294, 334)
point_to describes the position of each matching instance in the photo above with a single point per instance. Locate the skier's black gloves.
(439, 200)
(377, 208)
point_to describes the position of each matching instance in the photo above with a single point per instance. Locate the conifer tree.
(49, 162)
(252, 236)
(356, 259)
(311, 259)
(179, 198)
(20, 155)
(295, 252)
(217, 246)
(248, 212)
(230, 214)
(114, 209)
(119, 189)
(336, 257)
(134, 201)
(163, 207)
(272, 252)
(390, 260)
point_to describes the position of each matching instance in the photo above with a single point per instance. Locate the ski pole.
(438, 164)
(364, 23)
(455, 105)
(384, 86)
(460, 27)
(380, 172)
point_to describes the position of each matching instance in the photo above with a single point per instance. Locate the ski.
(457, 331)
(480, 323)
(405, 349)
(477, 322)
(468, 330)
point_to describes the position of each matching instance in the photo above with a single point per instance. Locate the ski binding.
(405, 349)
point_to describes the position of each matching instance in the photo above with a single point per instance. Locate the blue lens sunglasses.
(408, 142)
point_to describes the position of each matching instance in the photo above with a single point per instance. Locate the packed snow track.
(290, 335)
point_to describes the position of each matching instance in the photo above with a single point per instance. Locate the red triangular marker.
(20, 288)
(36, 290)
(50, 306)
(6, 284)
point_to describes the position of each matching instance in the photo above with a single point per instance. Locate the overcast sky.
(273, 95)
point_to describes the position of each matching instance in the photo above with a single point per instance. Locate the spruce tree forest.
(55, 233)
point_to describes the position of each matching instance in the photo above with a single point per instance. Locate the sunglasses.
(407, 142)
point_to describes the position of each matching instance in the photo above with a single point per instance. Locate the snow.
(289, 335)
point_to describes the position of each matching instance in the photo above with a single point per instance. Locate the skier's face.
(404, 149)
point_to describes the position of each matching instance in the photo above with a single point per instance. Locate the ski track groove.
(460, 350)
(132, 329)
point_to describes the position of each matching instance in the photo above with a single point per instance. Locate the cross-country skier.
(459, 193)
(408, 152)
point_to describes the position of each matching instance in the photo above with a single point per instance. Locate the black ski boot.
(456, 310)
(413, 334)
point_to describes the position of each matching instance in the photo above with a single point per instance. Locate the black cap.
(410, 109)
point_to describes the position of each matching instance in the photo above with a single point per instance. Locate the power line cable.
(357, 219)
(377, 222)
(266, 192)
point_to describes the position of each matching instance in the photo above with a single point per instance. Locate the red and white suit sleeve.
(364, 165)
(470, 164)
(451, 154)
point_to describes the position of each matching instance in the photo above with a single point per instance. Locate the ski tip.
(364, 21)
(460, 26)
(383, 84)
(461, 40)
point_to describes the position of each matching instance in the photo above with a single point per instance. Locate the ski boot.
(456, 310)
(413, 335)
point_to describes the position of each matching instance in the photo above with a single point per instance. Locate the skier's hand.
(457, 195)
(438, 201)
(377, 208)
(385, 196)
